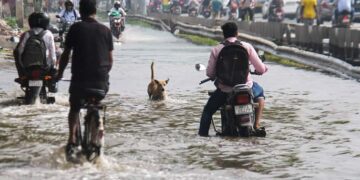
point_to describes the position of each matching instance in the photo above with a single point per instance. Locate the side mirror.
(200, 67)
(261, 54)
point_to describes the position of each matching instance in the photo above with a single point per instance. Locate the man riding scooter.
(219, 97)
(67, 17)
(116, 12)
(343, 7)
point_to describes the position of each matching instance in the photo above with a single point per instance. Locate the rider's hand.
(58, 76)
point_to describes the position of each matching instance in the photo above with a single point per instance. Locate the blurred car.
(356, 7)
(290, 8)
(258, 5)
(325, 9)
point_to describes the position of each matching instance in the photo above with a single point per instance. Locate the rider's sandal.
(93, 152)
(260, 132)
(71, 152)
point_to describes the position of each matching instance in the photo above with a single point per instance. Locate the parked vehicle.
(290, 8)
(206, 12)
(154, 7)
(276, 14)
(356, 6)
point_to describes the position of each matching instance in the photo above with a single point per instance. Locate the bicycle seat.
(98, 94)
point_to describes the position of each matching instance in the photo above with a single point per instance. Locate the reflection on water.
(311, 120)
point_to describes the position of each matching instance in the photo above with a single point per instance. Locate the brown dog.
(156, 88)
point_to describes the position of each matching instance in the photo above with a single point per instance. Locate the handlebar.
(205, 80)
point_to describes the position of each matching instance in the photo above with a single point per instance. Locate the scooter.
(153, 7)
(238, 112)
(343, 20)
(276, 14)
(36, 84)
(206, 12)
(193, 10)
(63, 27)
(117, 24)
(176, 8)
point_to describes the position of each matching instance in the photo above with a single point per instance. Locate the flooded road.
(312, 121)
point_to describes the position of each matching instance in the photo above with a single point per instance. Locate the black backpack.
(34, 53)
(232, 66)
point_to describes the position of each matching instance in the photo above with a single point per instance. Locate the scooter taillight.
(346, 19)
(242, 99)
(35, 74)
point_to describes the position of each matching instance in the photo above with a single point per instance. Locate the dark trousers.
(247, 10)
(216, 100)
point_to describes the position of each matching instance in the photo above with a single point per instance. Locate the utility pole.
(20, 13)
(37, 5)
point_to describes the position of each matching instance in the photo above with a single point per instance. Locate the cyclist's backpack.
(232, 66)
(34, 53)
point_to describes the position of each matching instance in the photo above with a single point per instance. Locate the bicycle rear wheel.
(91, 143)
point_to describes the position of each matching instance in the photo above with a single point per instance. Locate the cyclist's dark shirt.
(91, 43)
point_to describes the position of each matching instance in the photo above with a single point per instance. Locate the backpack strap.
(40, 36)
(226, 43)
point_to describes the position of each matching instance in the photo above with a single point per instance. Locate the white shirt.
(69, 16)
(344, 5)
(49, 43)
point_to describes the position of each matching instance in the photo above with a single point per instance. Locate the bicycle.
(92, 140)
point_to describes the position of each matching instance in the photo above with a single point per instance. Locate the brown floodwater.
(312, 120)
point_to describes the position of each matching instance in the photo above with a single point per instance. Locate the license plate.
(35, 83)
(243, 109)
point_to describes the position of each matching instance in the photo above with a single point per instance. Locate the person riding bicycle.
(117, 11)
(92, 45)
(68, 15)
(39, 23)
(247, 7)
(218, 98)
(343, 6)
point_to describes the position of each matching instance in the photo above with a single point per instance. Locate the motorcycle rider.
(117, 9)
(68, 15)
(275, 4)
(204, 4)
(218, 98)
(91, 45)
(38, 22)
(343, 6)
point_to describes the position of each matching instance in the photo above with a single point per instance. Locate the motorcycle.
(37, 84)
(153, 7)
(176, 8)
(193, 10)
(116, 24)
(343, 20)
(276, 14)
(206, 12)
(238, 112)
(63, 27)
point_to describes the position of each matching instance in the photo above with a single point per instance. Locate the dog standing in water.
(156, 88)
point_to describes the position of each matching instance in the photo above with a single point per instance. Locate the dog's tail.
(152, 71)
